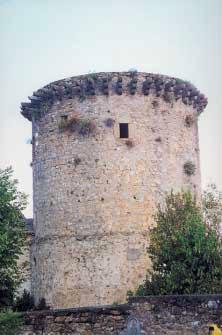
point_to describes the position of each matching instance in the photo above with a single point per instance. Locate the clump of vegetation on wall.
(129, 144)
(86, 127)
(93, 75)
(189, 168)
(77, 161)
(75, 124)
(189, 120)
(70, 124)
(186, 246)
(155, 103)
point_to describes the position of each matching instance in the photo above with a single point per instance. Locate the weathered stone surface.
(119, 83)
(95, 195)
(170, 315)
(24, 261)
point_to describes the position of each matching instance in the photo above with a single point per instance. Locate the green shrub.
(186, 252)
(25, 302)
(10, 322)
(12, 235)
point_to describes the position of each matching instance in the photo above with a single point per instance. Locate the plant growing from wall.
(93, 75)
(77, 161)
(189, 120)
(129, 144)
(83, 127)
(155, 103)
(189, 168)
(68, 125)
(185, 248)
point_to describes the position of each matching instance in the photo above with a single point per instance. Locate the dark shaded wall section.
(174, 315)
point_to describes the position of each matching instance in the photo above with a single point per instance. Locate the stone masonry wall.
(170, 315)
(24, 263)
(95, 195)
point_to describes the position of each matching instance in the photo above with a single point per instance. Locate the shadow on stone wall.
(174, 315)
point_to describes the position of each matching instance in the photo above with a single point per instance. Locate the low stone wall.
(173, 315)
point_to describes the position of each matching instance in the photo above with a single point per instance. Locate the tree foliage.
(24, 303)
(12, 235)
(10, 322)
(186, 247)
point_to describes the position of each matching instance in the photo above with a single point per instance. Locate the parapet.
(109, 83)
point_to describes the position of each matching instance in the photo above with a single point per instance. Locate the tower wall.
(95, 193)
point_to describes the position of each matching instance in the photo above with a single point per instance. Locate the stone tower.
(106, 149)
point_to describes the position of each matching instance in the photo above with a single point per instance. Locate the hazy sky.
(46, 40)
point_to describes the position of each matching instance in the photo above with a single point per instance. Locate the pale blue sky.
(45, 40)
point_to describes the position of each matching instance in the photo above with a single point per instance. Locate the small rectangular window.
(124, 130)
(64, 117)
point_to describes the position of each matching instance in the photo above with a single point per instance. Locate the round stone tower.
(106, 149)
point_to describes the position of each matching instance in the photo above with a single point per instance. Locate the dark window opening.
(64, 117)
(124, 130)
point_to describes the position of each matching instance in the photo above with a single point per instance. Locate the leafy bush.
(10, 322)
(212, 208)
(24, 303)
(186, 251)
(12, 235)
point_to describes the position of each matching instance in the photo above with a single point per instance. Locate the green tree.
(10, 322)
(185, 246)
(12, 235)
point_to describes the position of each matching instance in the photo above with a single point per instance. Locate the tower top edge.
(106, 83)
